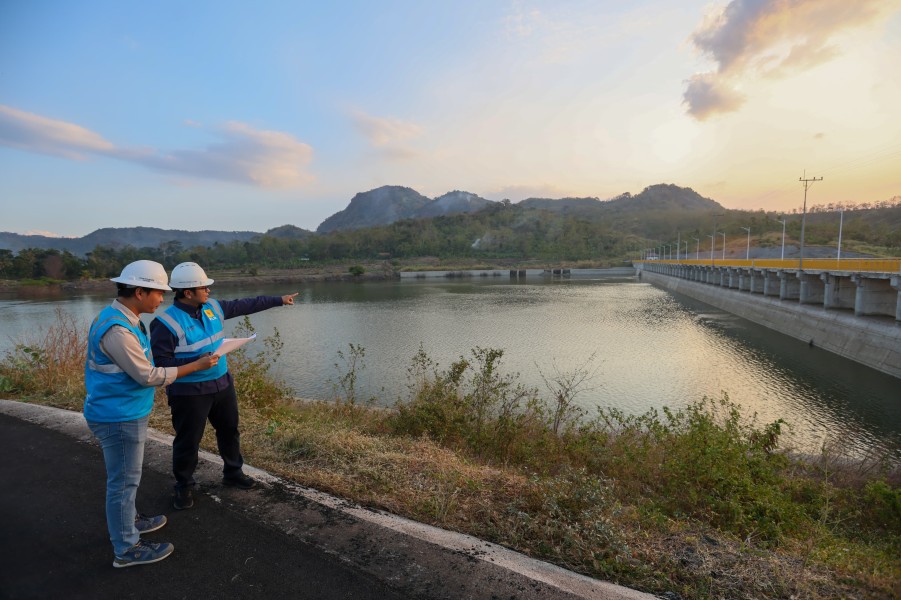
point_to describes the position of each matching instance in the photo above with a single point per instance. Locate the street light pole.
(678, 243)
(783, 237)
(724, 244)
(841, 221)
(713, 238)
(697, 248)
(686, 249)
(748, 253)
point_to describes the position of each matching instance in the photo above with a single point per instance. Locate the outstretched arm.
(249, 306)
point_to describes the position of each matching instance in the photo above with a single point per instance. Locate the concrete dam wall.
(872, 341)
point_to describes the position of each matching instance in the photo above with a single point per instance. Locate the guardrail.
(856, 265)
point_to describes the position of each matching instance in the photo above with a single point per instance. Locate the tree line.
(502, 231)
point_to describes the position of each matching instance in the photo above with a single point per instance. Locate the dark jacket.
(163, 342)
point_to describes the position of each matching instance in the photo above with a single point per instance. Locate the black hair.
(179, 293)
(127, 291)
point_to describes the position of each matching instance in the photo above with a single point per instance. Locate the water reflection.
(652, 348)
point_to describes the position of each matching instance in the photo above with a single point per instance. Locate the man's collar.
(188, 308)
(132, 318)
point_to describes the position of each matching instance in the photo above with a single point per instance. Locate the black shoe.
(239, 481)
(184, 498)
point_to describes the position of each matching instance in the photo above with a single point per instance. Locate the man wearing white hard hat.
(193, 326)
(120, 377)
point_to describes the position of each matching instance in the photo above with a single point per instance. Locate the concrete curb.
(391, 548)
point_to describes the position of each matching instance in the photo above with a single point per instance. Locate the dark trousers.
(189, 417)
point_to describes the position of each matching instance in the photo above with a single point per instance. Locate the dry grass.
(594, 512)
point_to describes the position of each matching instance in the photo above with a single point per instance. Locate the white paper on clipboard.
(229, 344)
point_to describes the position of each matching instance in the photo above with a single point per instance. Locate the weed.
(48, 363)
(699, 501)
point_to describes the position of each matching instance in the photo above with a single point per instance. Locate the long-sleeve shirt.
(124, 349)
(163, 342)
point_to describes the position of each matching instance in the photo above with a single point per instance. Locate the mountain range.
(383, 206)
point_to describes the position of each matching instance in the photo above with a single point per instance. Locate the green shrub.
(254, 383)
(471, 406)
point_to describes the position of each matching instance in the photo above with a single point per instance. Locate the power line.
(807, 183)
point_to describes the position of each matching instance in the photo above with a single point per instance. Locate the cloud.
(751, 39)
(269, 159)
(387, 134)
(521, 23)
(707, 95)
(34, 133)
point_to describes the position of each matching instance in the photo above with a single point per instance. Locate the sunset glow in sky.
(246, 116)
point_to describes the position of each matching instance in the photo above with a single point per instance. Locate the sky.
(246, 116)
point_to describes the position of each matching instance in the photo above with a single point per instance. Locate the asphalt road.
(54, 542)
(275, 541)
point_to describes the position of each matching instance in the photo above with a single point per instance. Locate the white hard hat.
(189, 275)
(145, 274)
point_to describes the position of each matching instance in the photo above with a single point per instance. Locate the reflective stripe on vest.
(197, 337)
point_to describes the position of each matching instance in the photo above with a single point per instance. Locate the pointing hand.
(289, 298)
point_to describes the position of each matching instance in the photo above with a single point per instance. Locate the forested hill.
(384, 206)
(119, 237)
(390, 203)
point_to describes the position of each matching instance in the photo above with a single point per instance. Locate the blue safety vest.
(112, 395)
(196, 338)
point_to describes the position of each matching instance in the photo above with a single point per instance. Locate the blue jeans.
(123, 453)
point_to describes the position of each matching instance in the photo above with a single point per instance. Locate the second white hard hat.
(189, 275)
(145, 274)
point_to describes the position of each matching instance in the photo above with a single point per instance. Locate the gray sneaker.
(143, 553)
(145, 524)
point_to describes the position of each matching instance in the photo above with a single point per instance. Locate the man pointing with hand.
(191, 327)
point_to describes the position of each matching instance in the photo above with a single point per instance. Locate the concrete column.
(812, 289)
(789, 285)
(755, 281)
(896, 283)
(723, 279)
(771, 283)
(838, 291)
(732, 279)
(874, 296)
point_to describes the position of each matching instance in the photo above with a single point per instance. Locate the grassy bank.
(700, 502)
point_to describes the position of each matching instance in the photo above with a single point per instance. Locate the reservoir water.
(651, 348)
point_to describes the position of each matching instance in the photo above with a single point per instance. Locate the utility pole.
(807, 183)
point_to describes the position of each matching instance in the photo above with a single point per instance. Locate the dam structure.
(851, 307)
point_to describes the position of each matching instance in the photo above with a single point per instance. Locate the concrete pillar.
(875, 296)
(771, 283)
(838, 291)
(789, 286)
(812, 289)
(755, 281)
(731, 278)
(896, 283)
